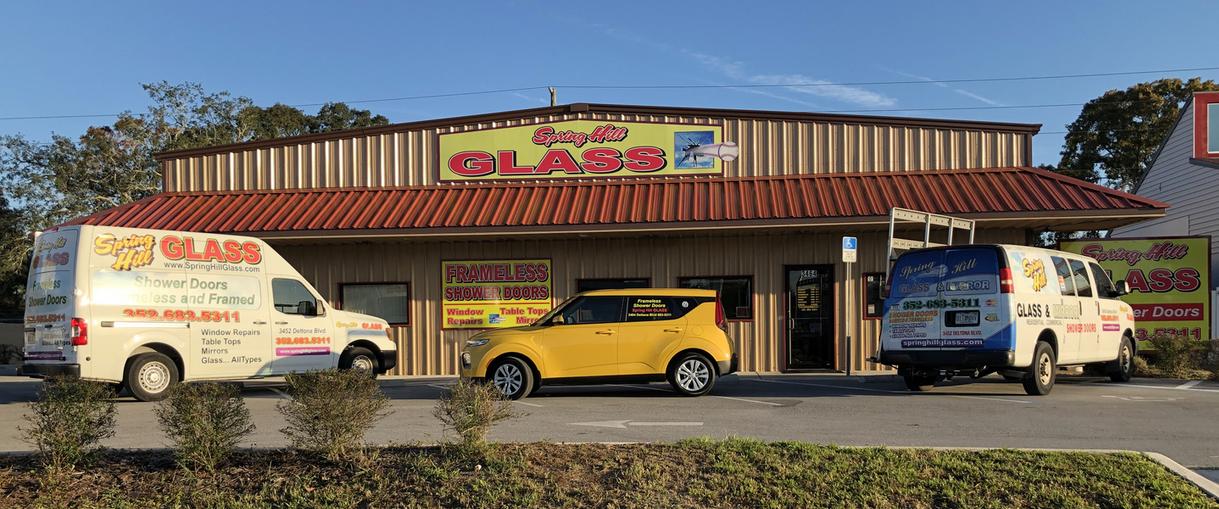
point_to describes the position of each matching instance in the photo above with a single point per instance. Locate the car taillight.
(80, 332)
(720, 320)
(1005, 280)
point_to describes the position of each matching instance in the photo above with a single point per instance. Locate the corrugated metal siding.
(768, 148)
(1189, 189)
(424, 349)
(630, 204)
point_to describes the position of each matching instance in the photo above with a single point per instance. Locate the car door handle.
(673, 329)
(261, 322)
(606, 332)
(281, 323)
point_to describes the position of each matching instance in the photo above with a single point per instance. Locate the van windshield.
(954, 271)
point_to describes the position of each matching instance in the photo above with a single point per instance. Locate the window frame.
(1206, 122)
(621, 310)
(1087, 274)
(863, 296)
(410, 293)
(752, 295)
(1093, 267)
(1212, 129)
(1068, 280)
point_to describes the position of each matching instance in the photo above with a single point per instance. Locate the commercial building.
(423, 222)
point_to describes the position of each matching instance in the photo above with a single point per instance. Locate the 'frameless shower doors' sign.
(489, 294)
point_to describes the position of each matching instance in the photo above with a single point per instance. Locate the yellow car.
(632, 336)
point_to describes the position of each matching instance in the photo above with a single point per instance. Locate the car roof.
(658, 292)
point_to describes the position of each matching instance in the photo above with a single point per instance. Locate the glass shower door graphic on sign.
(810, 317)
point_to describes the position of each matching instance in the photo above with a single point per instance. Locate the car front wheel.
(511, 377)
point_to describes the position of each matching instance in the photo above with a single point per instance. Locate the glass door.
(810, 316)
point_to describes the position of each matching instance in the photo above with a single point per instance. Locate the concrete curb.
(1206, 485)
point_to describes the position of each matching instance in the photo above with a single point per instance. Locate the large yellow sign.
(584, 149)
(489, 294)
(1169, 281)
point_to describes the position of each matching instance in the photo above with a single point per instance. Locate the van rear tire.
(1041, 375)
(919, 383)
(150, 376)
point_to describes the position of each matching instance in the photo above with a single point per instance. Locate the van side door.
(304, 335)
(1109, 333)
(229, 329)
(1090, 308)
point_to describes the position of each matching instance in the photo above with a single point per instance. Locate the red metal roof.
(1010, 191)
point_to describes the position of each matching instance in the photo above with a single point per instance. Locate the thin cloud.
(544, 102)
(961, 91)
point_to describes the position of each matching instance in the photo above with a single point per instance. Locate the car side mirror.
(307, 308)
(1123, 287)
(556, 320)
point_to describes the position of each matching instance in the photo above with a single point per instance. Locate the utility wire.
(744, 85)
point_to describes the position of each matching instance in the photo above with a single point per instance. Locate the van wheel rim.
(508, 379)
(153, 377)
(692, 375)
(362, 363)
(1126, 360)
(1045, 369)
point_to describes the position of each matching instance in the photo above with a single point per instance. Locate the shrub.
(331, 410)
(68, 421)
(1175, 356)
(471, 408)
(205, 422)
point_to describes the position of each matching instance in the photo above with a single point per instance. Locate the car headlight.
(476, 342)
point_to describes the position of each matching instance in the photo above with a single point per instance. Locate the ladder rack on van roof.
(897, 214)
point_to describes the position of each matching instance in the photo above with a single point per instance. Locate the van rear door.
(50, 300)
(909, 321)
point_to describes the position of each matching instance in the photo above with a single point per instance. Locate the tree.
(107, 166)
(1116, 135)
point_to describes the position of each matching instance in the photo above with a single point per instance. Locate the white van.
(1019, 311)
(150, 308)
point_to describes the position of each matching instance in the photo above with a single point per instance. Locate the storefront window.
(735, 292)
(588, 285)
(873, 294)
(388, 301)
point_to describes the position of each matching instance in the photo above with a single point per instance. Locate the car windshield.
(545, 319)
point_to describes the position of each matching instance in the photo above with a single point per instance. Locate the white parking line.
(1189, 384)
(1181, 387)
(526, 403)
(281, 394)
(758, 402)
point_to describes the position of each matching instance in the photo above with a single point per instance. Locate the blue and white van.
(1020, 311)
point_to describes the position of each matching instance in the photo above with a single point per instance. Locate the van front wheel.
(151, 375)
(1040, 377)
(360, 359)
(1122, 369)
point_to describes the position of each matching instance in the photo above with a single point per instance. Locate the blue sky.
(89, 57)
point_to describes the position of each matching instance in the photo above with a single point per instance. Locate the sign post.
(850, 248)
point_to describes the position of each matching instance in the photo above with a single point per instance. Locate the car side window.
(290, 294)
(1104, 286)
(1065, 281)
(593, 310)
(1083, 286)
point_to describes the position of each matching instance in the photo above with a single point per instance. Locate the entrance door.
(810, 316)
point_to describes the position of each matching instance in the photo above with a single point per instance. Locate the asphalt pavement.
(1170, 417)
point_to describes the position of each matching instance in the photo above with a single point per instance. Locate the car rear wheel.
(151, 375)
(692, 375)
(1041, 375)
(360, 359)
(511, 377)
(1122, 369)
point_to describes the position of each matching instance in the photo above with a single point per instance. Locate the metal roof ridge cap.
(1095, 187)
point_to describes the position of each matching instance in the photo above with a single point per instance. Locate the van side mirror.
(1122, 286)
(307, 308)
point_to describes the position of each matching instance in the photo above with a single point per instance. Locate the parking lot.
(1170, 417)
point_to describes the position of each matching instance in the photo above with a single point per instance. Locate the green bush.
(331, 410)
(1175, 356)
(205, 422)
(471, 408)
(68, 422)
